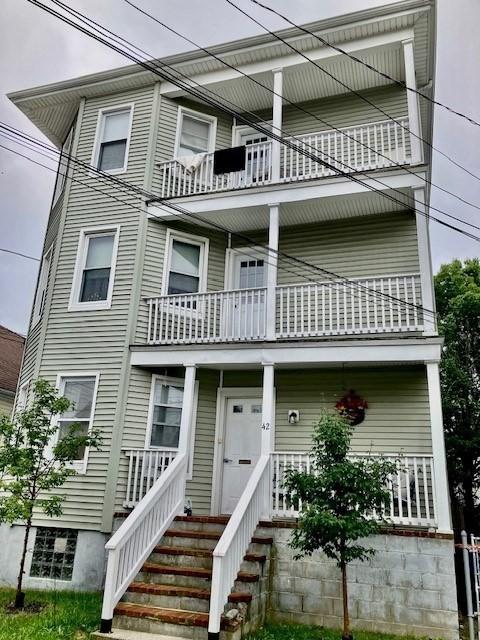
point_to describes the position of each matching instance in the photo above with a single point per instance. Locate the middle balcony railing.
(384, 304)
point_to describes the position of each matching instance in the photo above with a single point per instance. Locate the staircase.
(170, 596)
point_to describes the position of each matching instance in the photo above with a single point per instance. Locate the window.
(81, 390)
(22, 396)
(54, 553)
(39, 302)
(185, 266)
(166, 402)
(63, 166)
(112, 139)
(95, 269)
(195, 133)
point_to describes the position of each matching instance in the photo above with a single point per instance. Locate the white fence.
(145, 466)
(218, 316)
(369, 146)
(135, 540)
(412, 496)
(359, 305)
(235, 540)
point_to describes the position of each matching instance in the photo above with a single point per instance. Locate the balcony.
(363, 148)
(357, 306)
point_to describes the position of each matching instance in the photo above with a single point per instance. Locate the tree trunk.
(346, 635)
(19, 595)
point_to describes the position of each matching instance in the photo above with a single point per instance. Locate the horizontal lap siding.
(135, 428)
(396, 421)
(81, 341)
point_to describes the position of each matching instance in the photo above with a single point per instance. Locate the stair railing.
(228, 555)
(135, 540)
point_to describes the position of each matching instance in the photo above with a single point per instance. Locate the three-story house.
(202, 308)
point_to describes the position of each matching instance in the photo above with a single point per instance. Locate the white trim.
(41, 292)
(181, 383)
(239, 130)
(224, 394)
(99, 135)
(74, 303)
(202, 242)
(198, 115)
(230, 260)
(79, 466)
(22, 389)
(62, 176)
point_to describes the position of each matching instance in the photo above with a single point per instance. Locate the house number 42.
(266, 426)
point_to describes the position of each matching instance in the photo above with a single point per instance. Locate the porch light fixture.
(293, 416)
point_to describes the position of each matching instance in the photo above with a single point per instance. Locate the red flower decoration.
(352, 407)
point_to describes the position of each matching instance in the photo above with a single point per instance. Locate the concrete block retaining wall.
(407, 587)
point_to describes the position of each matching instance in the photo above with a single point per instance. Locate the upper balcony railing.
(384, 304)
(370, 146)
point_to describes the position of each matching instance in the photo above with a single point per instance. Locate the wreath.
(352, 407)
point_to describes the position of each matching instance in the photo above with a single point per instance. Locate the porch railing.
(369, 146)
(135, 540)
(354, 306)
(145, 466)
(230, 550)
(411, 488)
(217, 316)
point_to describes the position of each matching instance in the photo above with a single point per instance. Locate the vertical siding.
(81, 341)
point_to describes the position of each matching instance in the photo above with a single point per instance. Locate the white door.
(245, 316)
(243, 429)
(257, 158)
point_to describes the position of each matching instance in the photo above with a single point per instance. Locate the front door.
(257, 158)
(242, 439)
(245, 317)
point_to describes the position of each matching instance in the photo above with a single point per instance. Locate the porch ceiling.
(337, 207)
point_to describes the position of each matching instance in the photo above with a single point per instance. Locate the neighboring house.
(205, 360)
(11, 352)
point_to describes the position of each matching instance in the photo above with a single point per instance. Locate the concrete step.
(176, 622)
(193, 539)
(126, 634)
(201, 523)
(182, 556)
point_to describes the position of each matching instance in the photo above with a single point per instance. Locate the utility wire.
(369, 66)
(297, 106)
(18, 253)
(349, 89)
(240, 116)
(244, 237)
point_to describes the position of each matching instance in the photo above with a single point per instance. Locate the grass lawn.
(66, 616)
(304, 632)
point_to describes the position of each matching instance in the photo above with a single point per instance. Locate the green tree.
(337, 499)
(457, 292)
(28, 471)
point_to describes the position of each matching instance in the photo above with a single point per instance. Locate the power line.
(240, 116)
(369, 66)
(326, 273)
(296, 105)
(18, 253)
(348, 88)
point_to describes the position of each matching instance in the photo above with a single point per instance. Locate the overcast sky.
(36, 49)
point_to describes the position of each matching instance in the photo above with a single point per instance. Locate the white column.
(425, 261)
(187, 410)
(268, 409)
(273, 232)
(277, 121)
(414, 123)
(438, 448)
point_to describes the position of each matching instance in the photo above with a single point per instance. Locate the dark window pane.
(112, 155)
(179, 283)
(94, 285)
(167, 415)
(65, 428)
(165, 436)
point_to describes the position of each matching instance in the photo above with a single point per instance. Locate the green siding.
(6, 404)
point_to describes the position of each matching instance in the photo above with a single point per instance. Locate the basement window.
(54, 553)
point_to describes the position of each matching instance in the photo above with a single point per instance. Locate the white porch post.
(425, 262)
(273, 232)
(414, 123)
(187, 410)
(277, 122)
(438, 448)
(268, 427)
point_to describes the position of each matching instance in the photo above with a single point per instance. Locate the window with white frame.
(41, 293)
(113, 137)
(95, 269)
(63, 166)
(185, 266)
(195, 133)
(166, 402)
(81, 391)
